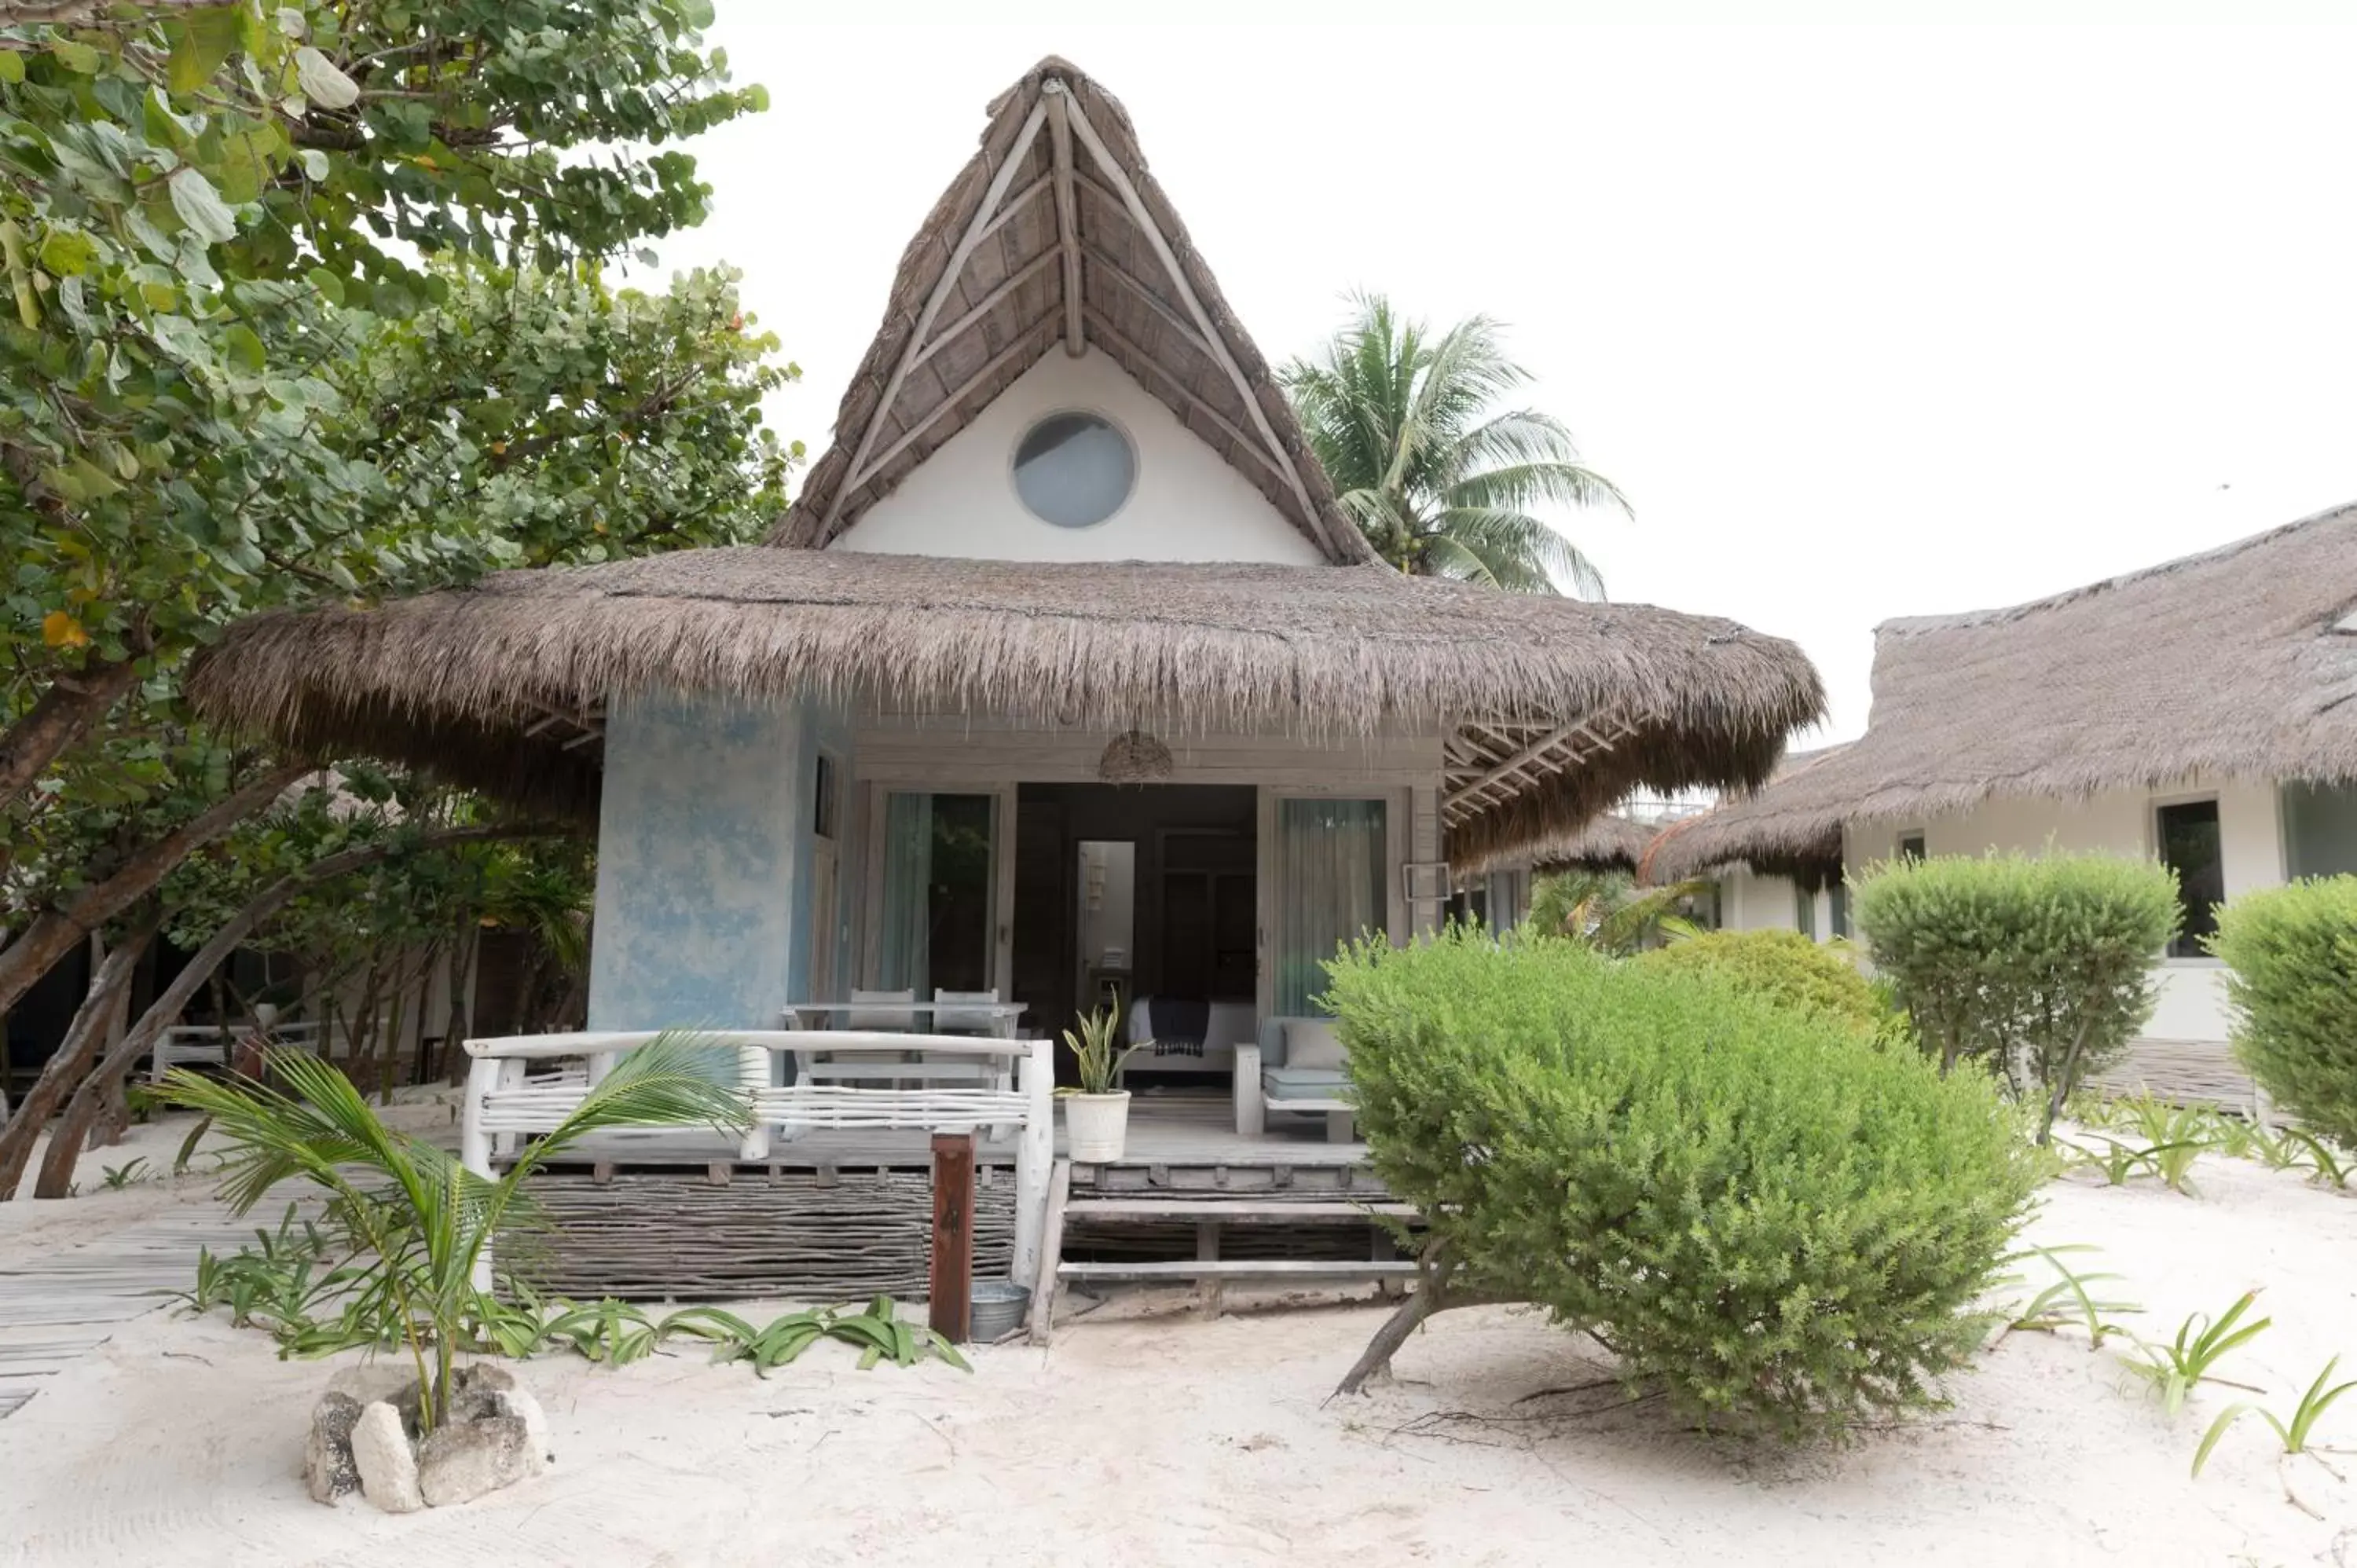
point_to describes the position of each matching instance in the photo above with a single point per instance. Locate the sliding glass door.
(939, 893)
(1330, 856)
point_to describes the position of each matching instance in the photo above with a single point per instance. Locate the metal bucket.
(995, 1310)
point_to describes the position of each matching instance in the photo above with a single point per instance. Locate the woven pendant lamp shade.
(1135, 757)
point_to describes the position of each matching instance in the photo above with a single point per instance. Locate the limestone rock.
(386, 1462)
(370, 1381)
(328, 1472)
(462, 1460)
(519, 1402)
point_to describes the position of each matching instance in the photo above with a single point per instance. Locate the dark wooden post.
(952, 1289)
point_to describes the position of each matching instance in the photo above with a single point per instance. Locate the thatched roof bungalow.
(2203, 712)
(1068, 537)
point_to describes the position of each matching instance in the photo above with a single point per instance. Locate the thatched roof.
(1611, 840)
(500, 686)
(1729, 835)
(2237, 663)
(1054, 232)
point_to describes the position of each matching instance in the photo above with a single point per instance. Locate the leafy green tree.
(531, 418)
(204, 211)
(1442, 481)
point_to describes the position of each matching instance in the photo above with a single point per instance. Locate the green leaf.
(244, 349)
(12, 68)
(67, 251)
(322, 82)
(201, 208)
(77, 57)
(205, 40)
(327, 284)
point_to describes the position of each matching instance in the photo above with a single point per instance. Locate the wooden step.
(1156, 1210)
(1301, 1269)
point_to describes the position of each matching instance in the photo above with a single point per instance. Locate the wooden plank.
(1067, 211)
(1051, 1255)
(949, 1298)
(1212, 1293)
(1242, 1269)
(1231, 1212)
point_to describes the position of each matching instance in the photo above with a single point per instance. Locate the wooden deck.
(67, 1304)
(2191, 1072)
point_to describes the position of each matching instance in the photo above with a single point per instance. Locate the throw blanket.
(1178, 1025)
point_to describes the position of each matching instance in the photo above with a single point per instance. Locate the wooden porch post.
(1035, 1153)
(474, 1143)
(951, 1289)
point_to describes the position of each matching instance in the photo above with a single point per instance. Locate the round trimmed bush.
(2291, 960)
(1783, 1225)
(1782, 967)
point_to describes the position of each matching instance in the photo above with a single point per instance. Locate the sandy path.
(1150, 1440)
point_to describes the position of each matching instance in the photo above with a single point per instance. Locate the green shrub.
(1783, 967)
(1782, 1224)
(2291, 959)
(2041, 966)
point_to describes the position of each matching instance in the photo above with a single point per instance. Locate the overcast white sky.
(1867, 322)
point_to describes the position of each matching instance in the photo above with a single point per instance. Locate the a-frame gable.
(1055, 233)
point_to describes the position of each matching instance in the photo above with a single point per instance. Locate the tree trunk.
(462, 972)
(85, 1038)
(233, 932)
(71, 705)
(54, 933)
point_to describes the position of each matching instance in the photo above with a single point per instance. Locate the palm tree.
(1607, 911)
(419, 1220)
(1441, 482)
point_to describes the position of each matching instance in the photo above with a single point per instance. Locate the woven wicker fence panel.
(790, 1236)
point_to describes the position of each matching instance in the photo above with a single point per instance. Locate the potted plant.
(1096, 1111)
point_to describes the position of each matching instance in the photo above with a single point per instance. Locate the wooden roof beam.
(1007, 286)
(1110, 335)
(1111, 168)
(1107, 266)
(990, 367)
(982, 224)
(1068, 210)
(1527, 754)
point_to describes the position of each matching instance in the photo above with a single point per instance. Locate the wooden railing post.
(474, 1143)
(1035, 1153)
(950, 1295)
(752, 1077)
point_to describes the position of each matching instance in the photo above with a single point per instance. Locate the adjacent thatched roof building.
(1054, 232)
(1611, 840)
(2237, 663)
(1728, 835)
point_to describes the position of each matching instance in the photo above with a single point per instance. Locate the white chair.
(881, 1017)
(972, 1013)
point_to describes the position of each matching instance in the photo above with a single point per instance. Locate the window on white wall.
(1075, 469)
(1910, 847)
(1804, 912)
(2320, 829)
(1837, 905)
(2188, 839)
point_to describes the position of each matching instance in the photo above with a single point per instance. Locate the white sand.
(1160, 1439)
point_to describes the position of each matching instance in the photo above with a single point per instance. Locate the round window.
(1075, 469)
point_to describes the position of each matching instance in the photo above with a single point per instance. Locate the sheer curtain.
(1330, 867)
(905, 958)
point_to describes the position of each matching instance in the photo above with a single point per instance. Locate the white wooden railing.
(505, 1100)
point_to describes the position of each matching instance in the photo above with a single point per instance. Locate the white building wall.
(1751, 902)
(2121, 821)
(1188, 504)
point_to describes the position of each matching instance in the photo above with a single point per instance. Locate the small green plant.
(2173, 1163)
(2067, 1301)
(609, 1332)
(117, 1178)
(2173, 1368)
(880, 1334)
(2294, 1433)
(1096, 1058)
(2312, 1153)
(1782, 967)
(2118, 1159)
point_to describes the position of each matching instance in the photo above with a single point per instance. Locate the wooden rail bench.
(1210, 1272)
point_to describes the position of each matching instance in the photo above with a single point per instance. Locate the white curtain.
(905, 958)
(1330, 867)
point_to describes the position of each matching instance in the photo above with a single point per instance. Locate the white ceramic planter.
(1096, 1126)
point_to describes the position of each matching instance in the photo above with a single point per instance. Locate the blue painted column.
(701, 840)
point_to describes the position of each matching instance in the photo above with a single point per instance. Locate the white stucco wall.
(1748, 902)
(2192, 993)
(1188, 505)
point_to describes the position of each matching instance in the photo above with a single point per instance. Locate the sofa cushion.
(1305, 1083)
(1312, 1043)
